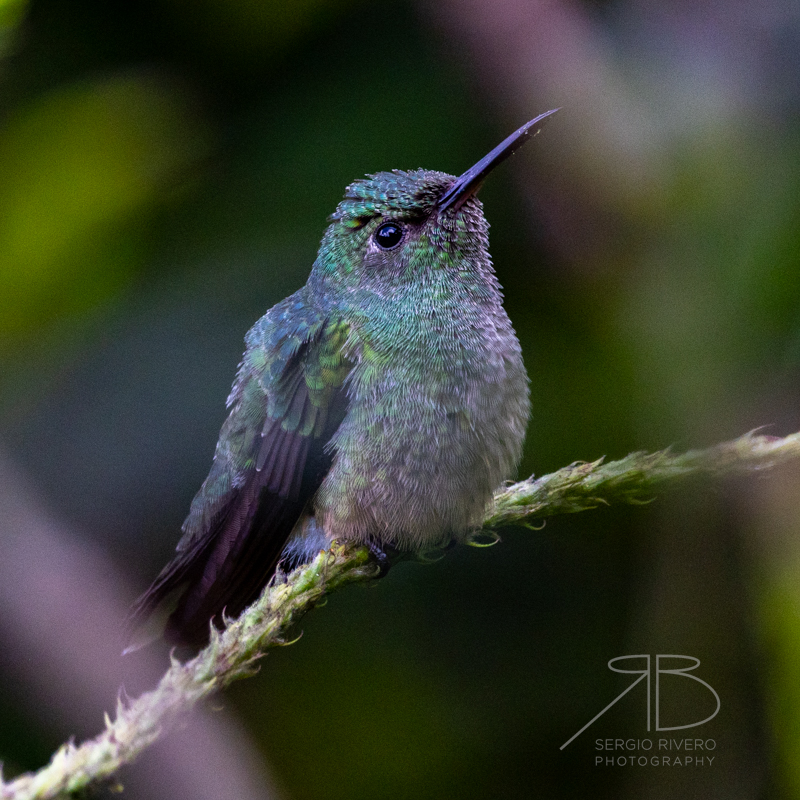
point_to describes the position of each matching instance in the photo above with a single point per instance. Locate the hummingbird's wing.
(286, 404)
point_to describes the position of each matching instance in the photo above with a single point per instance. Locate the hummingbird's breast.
(438, 403)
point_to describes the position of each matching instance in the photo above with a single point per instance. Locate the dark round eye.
(389, 235)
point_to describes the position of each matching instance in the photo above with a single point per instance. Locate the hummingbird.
(382, 403)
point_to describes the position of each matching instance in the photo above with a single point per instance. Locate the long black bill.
(467, 184)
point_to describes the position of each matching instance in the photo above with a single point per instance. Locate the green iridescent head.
(395, 226)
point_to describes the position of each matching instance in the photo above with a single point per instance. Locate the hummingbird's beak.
(467, 184)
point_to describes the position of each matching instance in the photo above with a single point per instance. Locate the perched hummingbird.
(381, 403)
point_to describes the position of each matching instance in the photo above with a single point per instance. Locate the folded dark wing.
(287, 402)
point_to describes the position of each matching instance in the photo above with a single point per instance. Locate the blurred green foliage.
(80, 166)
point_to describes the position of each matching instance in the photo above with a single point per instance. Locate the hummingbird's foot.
(384, 556)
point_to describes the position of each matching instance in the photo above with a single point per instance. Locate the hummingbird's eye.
(388, 236)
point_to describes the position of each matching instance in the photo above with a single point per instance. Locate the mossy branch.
(233, 653)
(633, 479)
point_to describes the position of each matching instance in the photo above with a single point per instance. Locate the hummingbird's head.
(389, 230)
(393, 228)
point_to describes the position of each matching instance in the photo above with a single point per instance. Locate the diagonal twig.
(233, 653)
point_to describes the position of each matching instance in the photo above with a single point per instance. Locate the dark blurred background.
(166, 170)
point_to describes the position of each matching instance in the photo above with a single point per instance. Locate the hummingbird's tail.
(223, 568)
(232, 573)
